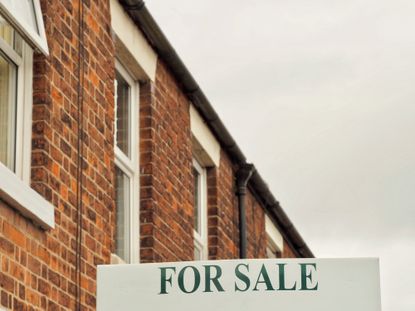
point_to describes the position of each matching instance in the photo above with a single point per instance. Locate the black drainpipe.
(243, 175)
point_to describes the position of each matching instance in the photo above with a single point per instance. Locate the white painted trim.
(26, 145)
(130, 166)
(24, 115)
(24, 105)
(134, 41)
(20, 196)
(14, 16)
(273, 235)
(209, 153)
(10, 52)
(201, 240)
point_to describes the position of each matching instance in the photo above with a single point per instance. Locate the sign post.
(242, 285)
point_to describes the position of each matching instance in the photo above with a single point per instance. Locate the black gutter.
(145, 21)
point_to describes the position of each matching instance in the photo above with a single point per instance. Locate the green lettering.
(281, 269)
(242, 277)
(265, 279)
(305, 276)
(214, 280)
(196, 278)
(164, 279)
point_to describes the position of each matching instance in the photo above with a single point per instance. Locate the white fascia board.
(204, 136)
(273, 233)
(133, 39)
(26, 200)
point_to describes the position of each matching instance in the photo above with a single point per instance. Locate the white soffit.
(132, 38)
(204, 136)
(273, 233)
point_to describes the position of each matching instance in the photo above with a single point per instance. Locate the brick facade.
(38, 267)
(73, 119)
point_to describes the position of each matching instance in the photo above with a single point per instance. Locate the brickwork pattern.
(38, 266)
(166, 192)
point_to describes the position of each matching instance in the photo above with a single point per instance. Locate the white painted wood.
(210, 153)
(200, 239)
(273, 234)
(133, 39)
(13, 12)
(130, 166)
(26, 200)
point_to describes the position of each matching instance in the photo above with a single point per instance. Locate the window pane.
(271, 253)
(198, 253)
(123, 115)
(10, 36)
(122, 197)
(6, 31)
(7, 112)
(196, 202)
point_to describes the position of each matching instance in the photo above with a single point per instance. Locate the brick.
(6, 282)
(14, 235)
(38, 267)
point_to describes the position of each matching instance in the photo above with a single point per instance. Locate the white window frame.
(201, 240)
(17, 19)
(24, 103)
(275, 241)
(130, 167)
(15, 185)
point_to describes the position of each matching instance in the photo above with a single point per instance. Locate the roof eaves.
(145, 21)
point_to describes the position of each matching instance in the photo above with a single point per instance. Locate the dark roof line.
(143, 18)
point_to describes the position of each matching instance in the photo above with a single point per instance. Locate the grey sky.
(320, 96)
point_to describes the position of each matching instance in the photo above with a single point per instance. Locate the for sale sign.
(242, 285)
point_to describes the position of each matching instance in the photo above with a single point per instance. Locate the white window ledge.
(26, 200)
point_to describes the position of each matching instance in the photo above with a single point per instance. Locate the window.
(15, 109)
(26, 15)
(200, 211)
(275, 241)
(273, 250)
(126, 171)
(16, 79)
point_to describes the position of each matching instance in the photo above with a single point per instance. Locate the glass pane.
(196, 202)
(271, 253)
(10, 36)
(122, 197)
(123, 115)
(6, 31)
(197, 254)
(7, 112)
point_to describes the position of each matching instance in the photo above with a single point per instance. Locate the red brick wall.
(255, 220)
(223, 220)
(37, 266)
(166, 192)
(287, 251)
(222, 211)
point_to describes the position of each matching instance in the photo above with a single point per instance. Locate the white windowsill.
(26, 200)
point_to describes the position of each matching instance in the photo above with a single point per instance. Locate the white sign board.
(242, 285)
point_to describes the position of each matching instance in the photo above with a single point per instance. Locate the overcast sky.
(320, 96)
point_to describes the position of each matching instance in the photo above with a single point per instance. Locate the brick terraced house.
(111, 153)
